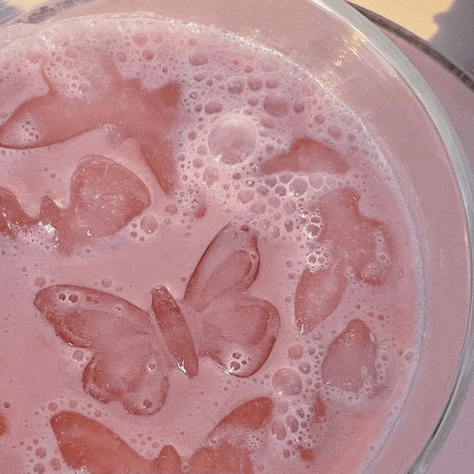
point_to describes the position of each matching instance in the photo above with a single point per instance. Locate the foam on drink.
(129, 146)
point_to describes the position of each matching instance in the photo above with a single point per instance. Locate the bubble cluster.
(257, 140)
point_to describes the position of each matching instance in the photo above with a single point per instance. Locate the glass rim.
(454, 149)
(465, 180)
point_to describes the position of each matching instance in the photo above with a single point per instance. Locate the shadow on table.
(455, 37)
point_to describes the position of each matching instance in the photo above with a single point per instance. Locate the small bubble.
(213, 107)
(295, 351)
(198, 163)
(279, 430)
(40, 453)
(335, 132)
(292, 423)
(149, 224)
(289, 207)
(140, 38)
(298, 187)
(286, 382)
(148, 55)
(39, 281)
(271, 83)
(171, 209)
(73, 298)
(78, 355)
(55, 464)
(147, 403)
(201, 150)
(254, 83)
(245, 196)
(319, 118)
(298, 107)
(275, 105)
(258, 208)
(234, 366)
(304, 367)
(236, 86)
(198, 59)
(210, 176)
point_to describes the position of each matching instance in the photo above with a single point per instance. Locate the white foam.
(239, 106)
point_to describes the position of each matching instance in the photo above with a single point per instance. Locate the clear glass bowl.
(358, 64)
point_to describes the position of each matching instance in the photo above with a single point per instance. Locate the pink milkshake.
(207, 263)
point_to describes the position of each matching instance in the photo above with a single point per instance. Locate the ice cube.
(85, 443)
(230, 262)
(239, 332)
(307, 156)
(175, 330)
(350, 358)
(318, 294)
(105, 197)
(13, 218)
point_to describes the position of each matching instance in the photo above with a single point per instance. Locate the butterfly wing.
(251, 415)
(86, 443)
(175, 330)
(318, 294)
(128, 364)
(230, 262)
(146, 116)
(224, 457)
(236, 330)
(229, 452)
(239, 332)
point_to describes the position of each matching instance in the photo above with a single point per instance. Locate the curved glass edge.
(466, 77)
(465, 178)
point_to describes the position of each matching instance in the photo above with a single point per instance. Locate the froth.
(249, 124)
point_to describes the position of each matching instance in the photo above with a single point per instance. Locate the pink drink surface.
(206, 265)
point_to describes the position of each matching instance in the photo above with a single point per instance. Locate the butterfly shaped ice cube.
(104, 197)
(147, 116)
(133, 350)
(87, 443)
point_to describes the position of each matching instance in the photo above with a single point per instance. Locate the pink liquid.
(206, 266)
